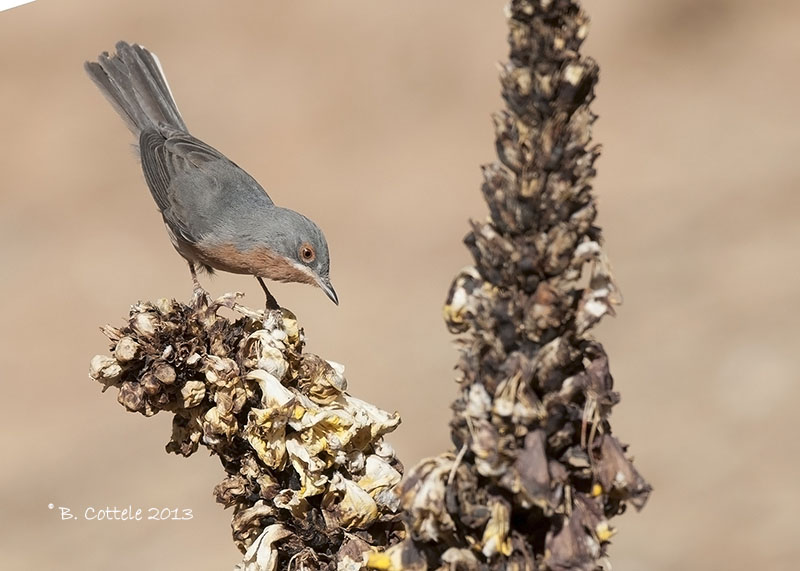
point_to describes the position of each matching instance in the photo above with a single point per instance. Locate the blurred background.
(373, 118)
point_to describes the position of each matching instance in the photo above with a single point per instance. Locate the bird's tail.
(133, 81)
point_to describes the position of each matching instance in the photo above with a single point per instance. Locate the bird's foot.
(272, 303)
(270, 308)
(200, 297)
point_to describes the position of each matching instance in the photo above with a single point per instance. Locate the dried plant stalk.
(537, 473)
(309, 474)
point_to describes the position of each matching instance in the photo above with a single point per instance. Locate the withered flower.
(537, 473)
(304, 460)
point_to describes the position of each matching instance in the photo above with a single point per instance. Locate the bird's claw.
(200, 298)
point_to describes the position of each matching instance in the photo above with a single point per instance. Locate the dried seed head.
(295, 446)
(144, 324)
(537, 471)
(164, 373)
(105, 369)
(126, 350)
(193, 393)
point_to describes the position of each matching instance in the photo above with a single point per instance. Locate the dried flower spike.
(538, 473)
(307, 468)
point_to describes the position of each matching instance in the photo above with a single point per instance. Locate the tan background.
(372, 118)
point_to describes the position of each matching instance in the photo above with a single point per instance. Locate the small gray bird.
(217, 215)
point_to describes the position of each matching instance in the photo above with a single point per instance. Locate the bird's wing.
(167, 156)
(198, 190)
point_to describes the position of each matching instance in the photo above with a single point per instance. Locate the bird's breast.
(257, 261)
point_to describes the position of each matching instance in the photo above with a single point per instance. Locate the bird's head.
(301, 249)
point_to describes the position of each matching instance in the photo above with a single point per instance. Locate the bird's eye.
(307, 253)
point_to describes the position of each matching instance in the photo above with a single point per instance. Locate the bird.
(217, 216)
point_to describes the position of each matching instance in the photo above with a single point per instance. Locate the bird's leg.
(272, 303)
(199, 292)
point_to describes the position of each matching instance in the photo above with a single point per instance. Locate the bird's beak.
(325, 285)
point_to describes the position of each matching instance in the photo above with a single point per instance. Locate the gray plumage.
(217, 215)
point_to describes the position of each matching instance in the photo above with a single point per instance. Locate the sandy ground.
(373, 118)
